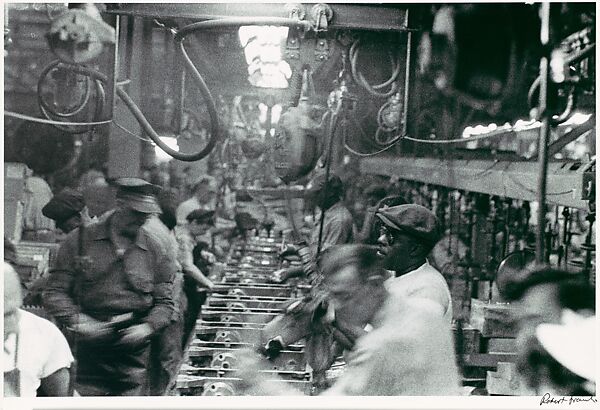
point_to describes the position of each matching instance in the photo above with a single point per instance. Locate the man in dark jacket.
(112, 288)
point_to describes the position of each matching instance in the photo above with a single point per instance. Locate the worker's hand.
(136, 334)
(289, 250)
(279, 276)
(88, 328)
(324, 312)
(208, 256)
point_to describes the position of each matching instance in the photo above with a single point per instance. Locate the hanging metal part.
(321, 15)
(544, 135)
(292, 45)
(79, 35)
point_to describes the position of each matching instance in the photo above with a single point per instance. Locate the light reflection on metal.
(577, 118)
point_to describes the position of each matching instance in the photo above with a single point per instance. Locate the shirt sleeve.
(337, 231)
(58, 297)
(60, 355)
(163, 305)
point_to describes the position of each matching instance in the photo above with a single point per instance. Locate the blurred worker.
(409, 350)
(36, 354)
(408, 233)
(112, 287)
(36, 226)
(371, 195)
(337, 229)
(204, 197)
(67, 209)
(196, 259)
(167, 346)
(571, 355)
(540, 296)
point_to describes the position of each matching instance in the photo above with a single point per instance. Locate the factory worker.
(112, 289)
(540, 296)
(67, 209)
(204, 197)
(409, 350)
(36, 354)
(408, 233)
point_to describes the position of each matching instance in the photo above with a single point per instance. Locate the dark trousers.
(165, 357)
(111, 370)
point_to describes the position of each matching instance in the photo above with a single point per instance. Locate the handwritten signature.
(548, 399)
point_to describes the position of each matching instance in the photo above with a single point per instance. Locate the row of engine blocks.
(231, 319)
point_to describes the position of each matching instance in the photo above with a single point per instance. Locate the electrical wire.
(122, 128)
(360, 79)
(365, 154)
(44, 121)
(493, 134)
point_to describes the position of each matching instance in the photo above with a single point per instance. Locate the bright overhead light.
(262, 49)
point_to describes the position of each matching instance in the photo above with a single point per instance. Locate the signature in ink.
(549, 399)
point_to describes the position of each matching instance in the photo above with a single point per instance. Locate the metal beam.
(571, 136)
(381, 17)
(502, 178)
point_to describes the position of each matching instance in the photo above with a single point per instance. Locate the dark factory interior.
(312, 199)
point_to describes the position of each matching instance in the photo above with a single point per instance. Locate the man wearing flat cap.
(67, 209)
(408, 233)
(112, 289)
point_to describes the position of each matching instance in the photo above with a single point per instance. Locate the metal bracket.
(321, 15)
(292, 45)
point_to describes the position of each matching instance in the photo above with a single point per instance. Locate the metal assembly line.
(225, 199)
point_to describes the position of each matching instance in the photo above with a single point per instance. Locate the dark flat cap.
(138, 194)
(200, 216)
(414, 220)
(64, 205)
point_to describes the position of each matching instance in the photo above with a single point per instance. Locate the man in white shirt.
(408, 234)
(36, 354)
(204, 198)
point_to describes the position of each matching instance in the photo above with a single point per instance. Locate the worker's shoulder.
(339, 212)
(155, 235)
(37, 324)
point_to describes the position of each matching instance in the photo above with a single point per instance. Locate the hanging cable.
(44, 121)
(360, 79)
(51, 113)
